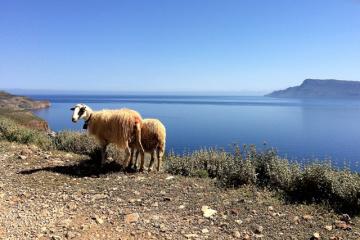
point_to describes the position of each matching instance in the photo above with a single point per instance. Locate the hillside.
(14, 102)
(18, 109)
(58, 195)
(318, 88)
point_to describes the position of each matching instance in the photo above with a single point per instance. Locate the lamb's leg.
(151, 161)
(160, 153)
(138, 137)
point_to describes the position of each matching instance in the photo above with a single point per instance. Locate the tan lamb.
(153, 139)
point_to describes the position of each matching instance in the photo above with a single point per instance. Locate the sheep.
(120, 127)
(153, 139)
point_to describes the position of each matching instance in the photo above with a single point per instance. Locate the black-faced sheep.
(153, 139)
(119, 127)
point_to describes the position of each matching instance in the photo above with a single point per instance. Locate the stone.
(258, 229)
(132, 218)
(22, 157)
(346, 218)
(169, 177)
(271, 208)
(316, 235)
(205, 230)
(191, 235)
(342, 225)
(208, 212)
(97, 219)
(236, 234)
(296, 220)
(328, 227)
(181, 206)
(308, 217)
(238, 221)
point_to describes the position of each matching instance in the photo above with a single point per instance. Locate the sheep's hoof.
(129, 169)
(141, 170)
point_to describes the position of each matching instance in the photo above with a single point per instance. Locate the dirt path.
(55, 195)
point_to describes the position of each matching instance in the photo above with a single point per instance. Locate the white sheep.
(153, 139)
(119, 127)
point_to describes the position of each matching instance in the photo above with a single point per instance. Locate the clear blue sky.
(177, 45)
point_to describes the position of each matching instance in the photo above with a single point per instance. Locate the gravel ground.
(56, 195)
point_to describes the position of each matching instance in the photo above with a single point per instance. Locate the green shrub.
(13, 132)
(75, 142)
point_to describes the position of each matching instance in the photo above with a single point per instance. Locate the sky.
(177, 45)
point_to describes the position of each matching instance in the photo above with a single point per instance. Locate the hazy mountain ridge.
(321, 88)
(15, 102)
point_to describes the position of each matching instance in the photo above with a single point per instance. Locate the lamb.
(153, 139)
(119, 127)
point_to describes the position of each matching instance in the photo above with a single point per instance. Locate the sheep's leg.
(132, 157)
(103, 154)
(151, 161)
(127, 163)
(160, 153)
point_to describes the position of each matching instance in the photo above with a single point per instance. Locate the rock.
(316, 235)
(205, 230)
(335, 238)
(296, 220)
(167, 199)
(236, 234)
(155, 204)
(97, 219)
(342, 225)
(70, 235)
(208, 212)
(258, 229)
(346, 218)
(239, 221)
(169, 177)
(55, 237)
(308, 217)
(271, 208)
(99, 196)
(328, 227)
(246, 237)
(132, 218)
(26, 152)
(181, 206)
(191, 235)
(22, 157)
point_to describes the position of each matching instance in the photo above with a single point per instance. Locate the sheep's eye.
(72, 109)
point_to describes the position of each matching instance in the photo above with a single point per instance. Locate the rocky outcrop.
(321, 88)
(14, 102)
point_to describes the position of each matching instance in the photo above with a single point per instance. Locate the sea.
(301, 130)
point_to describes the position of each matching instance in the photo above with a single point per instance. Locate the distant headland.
(321, 88)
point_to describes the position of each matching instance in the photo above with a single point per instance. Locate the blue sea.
(301, 130)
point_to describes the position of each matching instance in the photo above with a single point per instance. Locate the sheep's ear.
(72, 109)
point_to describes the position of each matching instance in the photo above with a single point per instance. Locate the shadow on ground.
(85, 168)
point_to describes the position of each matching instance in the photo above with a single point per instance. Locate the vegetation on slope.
(339, 189)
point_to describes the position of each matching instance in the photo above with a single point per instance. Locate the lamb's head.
(81, 111)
